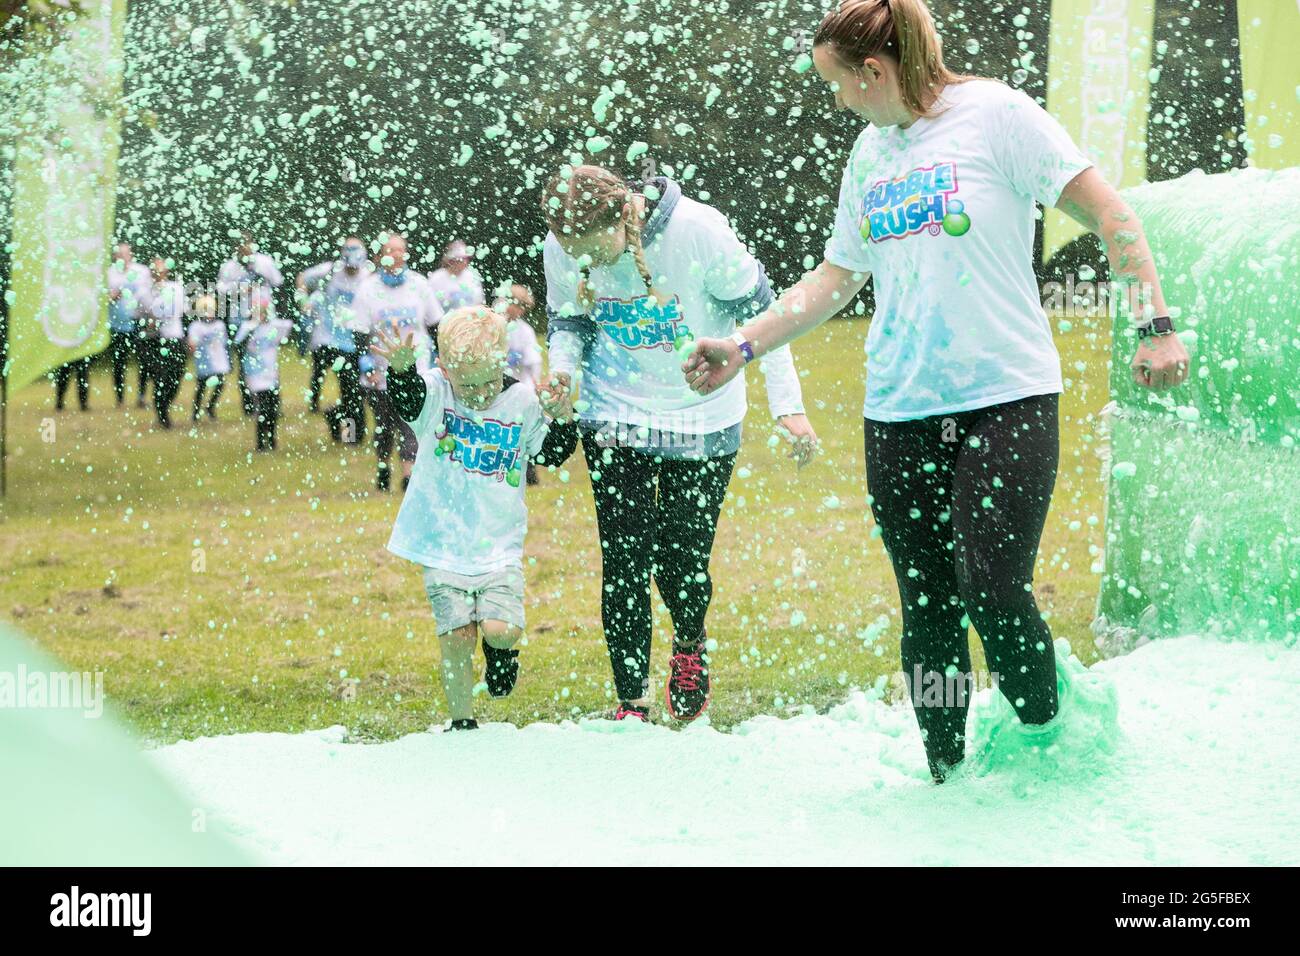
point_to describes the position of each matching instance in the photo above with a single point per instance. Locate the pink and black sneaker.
(688, 681)
(632, 712)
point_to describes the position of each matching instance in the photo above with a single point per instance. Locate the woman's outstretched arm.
(815, 298)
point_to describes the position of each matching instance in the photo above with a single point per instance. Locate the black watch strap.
(1160, 325)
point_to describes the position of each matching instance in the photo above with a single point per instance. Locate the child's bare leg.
(501, 635)
(458, 676)
(502, 670)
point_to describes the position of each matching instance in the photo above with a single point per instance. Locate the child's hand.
(399, 353)
(557, 396)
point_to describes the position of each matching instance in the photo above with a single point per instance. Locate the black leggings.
(201, 384)
(80, 369)
(121, 346)
(667, 536)
(266, 405)
(961, 500)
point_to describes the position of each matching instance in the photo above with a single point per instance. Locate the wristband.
(746, 347)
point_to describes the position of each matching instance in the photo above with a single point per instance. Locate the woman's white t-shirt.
(942, 215)
(633, 374)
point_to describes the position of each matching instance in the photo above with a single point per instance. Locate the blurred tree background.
(304, 120)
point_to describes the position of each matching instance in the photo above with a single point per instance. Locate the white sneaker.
(1074, 742)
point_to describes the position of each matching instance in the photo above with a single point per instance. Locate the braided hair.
(580, 200)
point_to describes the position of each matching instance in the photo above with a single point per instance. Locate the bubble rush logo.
(921, 200)
(638, 324)
(489, 448)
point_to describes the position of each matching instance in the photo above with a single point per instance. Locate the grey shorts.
(460, 599)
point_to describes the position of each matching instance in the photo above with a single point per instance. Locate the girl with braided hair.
(634, 272)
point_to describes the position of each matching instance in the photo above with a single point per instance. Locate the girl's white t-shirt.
(262, 341)
(633, 374)
(942, 215)
(211, 356)
(464, 509)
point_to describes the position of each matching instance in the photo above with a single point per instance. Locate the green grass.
(222, 592)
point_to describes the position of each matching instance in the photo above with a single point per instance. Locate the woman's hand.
(556, 396)
(400, 353)
(1161, 362)
(712, 364)
(803, 439)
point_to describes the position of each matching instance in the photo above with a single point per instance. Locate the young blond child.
(207, 339)
(463, 517)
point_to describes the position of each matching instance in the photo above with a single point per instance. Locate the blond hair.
(472, 335)
(205, 307)
(580, 200)
(901, 29)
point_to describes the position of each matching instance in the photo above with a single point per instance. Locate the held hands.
(400, 353)
(1161, 362)
(556, 396)
(713, 364)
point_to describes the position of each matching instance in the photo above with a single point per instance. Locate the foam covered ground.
(1207, 772)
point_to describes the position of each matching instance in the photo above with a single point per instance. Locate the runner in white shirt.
(523, 354)
(634, 272)
(164, 312)
(399, 300)
(261, 336)
(208, 344)
(128, 285)
(960, 419)
(457, 283)
(245, 271)
(326, 293)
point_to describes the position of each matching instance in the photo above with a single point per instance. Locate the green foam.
(1203, 520)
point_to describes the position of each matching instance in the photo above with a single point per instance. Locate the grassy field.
(221, 591)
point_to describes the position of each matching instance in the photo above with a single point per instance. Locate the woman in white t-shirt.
(634, 272)
(937, 202)
(165, 330)
(456, 282)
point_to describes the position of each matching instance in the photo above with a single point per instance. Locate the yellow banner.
(64, 186)
(1098, 87)
(1270, 80)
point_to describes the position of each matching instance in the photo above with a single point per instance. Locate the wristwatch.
(1160, 325)
(746, 347)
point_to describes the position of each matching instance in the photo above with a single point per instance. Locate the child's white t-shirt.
(464, 508)
(211, 357)
(942, 215)
(262, 341)
(633, 374)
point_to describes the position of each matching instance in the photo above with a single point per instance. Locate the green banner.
(1270, 80)
(64, 185)
(1098, 85)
